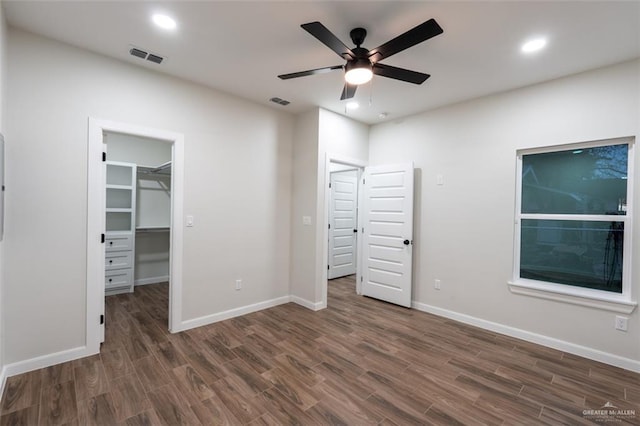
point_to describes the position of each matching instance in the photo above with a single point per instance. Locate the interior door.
(343, 215)
(387, 222)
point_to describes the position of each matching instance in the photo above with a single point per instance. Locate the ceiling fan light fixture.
(358, 72)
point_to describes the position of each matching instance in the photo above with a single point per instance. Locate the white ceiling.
(239, 47)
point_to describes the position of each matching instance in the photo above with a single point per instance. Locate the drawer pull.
(111, 261)
(110, 243)
(110, 279)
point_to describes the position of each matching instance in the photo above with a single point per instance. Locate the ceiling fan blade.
(349, 91)
(321, 32)
(310, 72)
(399, 73)
(416, 35)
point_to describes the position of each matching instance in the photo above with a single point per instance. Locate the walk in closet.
(137, 212)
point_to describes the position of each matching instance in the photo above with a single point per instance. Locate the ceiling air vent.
(154, 58)
(139, 53)
(280, 101)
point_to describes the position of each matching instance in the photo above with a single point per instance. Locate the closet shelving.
(120, 213)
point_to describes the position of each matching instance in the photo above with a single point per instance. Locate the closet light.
(353, 105)
(163, 21)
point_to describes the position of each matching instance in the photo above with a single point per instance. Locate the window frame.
(618, 302)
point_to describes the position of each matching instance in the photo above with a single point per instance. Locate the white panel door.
(343, 215)
(387, 222)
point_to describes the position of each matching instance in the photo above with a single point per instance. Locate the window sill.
(613, 303)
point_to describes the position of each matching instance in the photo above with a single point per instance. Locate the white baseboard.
(3, 381)
(151, 280)
(308, 304)
(583, 351)
(231, 313)
(41, 362)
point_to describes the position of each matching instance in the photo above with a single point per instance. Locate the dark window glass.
(580, 181)
(578, 253)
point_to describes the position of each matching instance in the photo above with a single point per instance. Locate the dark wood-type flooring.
(359, 362)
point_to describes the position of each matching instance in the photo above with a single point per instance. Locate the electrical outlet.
(621, 323)
(436, 285)
(238, 284)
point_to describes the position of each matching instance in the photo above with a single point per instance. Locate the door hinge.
(329, 184)
(101, 319)
(363, 181)
(360, 278)
(363, 230)
(102, 238)
(104, 156)
(329, 226)
(328, 267)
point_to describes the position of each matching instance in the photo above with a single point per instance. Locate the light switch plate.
(189, 221)
(306, 220)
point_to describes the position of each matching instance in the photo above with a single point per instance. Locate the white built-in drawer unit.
(118, 260)
(118, 279)
(118, 241)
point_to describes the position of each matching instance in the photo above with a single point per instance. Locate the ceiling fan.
(362, 63)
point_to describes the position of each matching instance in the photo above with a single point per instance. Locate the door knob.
(406, 242)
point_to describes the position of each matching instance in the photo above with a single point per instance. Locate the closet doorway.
(343, 221)
(137, 212)
(135, 207)
(342, 248)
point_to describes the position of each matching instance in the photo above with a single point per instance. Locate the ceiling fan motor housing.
(357, 63)
(358, 35)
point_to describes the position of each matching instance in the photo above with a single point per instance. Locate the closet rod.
(161, 167)
(155, 170)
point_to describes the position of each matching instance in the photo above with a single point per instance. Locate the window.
(573, 219)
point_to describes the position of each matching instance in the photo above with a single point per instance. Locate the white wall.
(303, 199)
(237, 186)
(336, 167)
(464, 229)
(338, 137)
(135, 149)
(318, 133)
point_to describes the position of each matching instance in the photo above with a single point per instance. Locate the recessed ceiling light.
(163, 21)
(353, 105)
(533, 45)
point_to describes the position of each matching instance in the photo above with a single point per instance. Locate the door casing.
(96, 223)
(323, 234)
